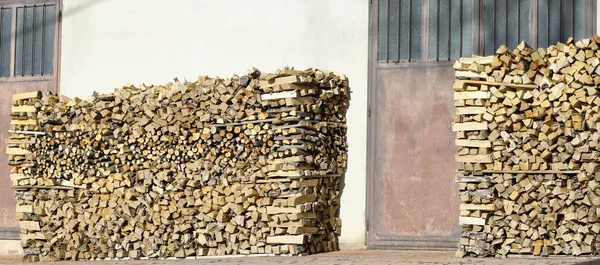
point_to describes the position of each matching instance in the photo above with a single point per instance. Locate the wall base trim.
(352, 246)
(10, 247)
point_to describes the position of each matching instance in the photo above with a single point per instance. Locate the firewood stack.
(527, 131)
(246, 165)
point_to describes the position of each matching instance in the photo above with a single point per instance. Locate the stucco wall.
(109, 43)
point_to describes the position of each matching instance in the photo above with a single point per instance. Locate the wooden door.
(29, 31)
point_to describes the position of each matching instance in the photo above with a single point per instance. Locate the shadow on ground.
(589, 262)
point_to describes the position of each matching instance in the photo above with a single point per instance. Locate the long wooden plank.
(23, 109)
(30, 225)
(472, 143)
(27, 95)
(298, 239)
(469, 126)
(472, 95)
(26, 132)
(18, 176)
(471, 179)
(279, 81)
(280, 95)
(304, 183)
(36, 235)
(480, 60)
(566, 172)
(24, 122)
(470, 110)
(19, 141)
(16, 151)
(477, 207)
(474, 159)
(29, 187)
(488, 83)
(24, 208)
(464, 220)
(469, 74)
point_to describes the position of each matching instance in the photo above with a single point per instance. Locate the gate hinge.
(369, 111)
(59, 15)
(367, 225)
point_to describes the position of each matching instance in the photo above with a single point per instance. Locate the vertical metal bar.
(519, 21)
(387, 35)
(371, 99)
(425, 29)
(572, 19)
(399, 30)
(548, 25)
(494, 25)
(592, 19)
(56, 27)
(23, 41)
(1, 39)
(506, 22)
(482, 42)
(589, 18)
(13, 42)
(449, 26)
(475, 25)
(437, 30)
(43, 39)
(533, 23)
(32, 40)
(460, 29)
(560, 15)
(409, 29)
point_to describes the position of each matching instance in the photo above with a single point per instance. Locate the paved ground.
(342, 257)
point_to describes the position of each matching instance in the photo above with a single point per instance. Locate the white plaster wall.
(109, 43)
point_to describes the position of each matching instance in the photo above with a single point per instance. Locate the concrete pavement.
(340, 257)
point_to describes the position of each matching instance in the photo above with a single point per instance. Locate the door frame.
(373, 241)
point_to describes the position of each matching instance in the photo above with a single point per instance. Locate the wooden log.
(15, 109)
(469, 126)
(16, 151)
(473, 143)
(297, 239)
(465, 220)
(30, 225)
(474, 158)
(472, 95)
(280, 95)
(26, 95)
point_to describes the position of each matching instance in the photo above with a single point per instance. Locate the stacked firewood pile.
(245, 165)
(527, 131)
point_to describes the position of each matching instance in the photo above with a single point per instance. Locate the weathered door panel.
(9, 226)
(413, 198)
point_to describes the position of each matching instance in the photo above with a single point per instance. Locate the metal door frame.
(403, 242)
(372, 240)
